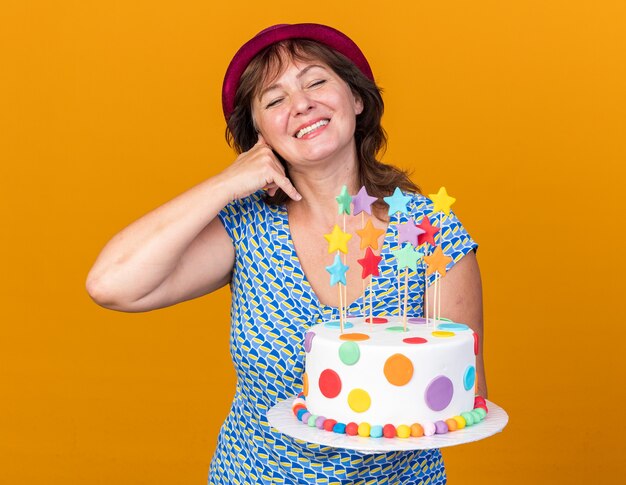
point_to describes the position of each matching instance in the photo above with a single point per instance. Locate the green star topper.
(407, 257)
(344, 200)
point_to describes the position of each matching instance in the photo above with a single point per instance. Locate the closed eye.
(317, 83)
(273, 102)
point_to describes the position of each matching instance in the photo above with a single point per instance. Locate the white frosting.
(390, 404)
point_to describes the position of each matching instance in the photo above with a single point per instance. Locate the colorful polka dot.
(364, 430)
(351, 429)
(469, 377)
(357, 337)
(376, 320)
(389, 431)
(441, 427)
(475, 343)
(337, 325)
(442, 334)
(417, 430)
(403, 431)
(359, 400)
(429, 428)
(439, 393)
(453, 326)
(469, 418)
(305, 384)
(398, 370)
(349, 353)
(396, 329)
(460, 421)
(308, 341)
(329, 424)
(329, 383)
(376, 431)
(319, 422)
(417, 320)
(481, 412)
(452, 424)
(414, 340)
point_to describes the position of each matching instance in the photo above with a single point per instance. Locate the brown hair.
(379, 179)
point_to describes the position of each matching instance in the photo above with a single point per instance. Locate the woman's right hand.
(258, 168)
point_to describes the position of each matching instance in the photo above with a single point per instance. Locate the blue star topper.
(397, 202)
(337, 272)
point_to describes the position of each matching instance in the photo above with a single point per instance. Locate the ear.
(358, 104)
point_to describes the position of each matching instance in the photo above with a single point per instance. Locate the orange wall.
(109, 109)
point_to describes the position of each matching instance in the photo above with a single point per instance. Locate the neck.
(320, 185)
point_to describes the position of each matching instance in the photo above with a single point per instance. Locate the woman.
(303, 112)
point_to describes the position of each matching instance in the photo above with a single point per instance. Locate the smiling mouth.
(310, 128)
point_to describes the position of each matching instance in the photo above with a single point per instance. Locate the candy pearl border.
(469, 418)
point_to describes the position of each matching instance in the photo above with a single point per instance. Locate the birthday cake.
(382, 380)
(392, 376)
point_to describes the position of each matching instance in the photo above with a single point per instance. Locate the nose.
(301, 103)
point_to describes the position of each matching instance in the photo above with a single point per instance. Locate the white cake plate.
(282, 418)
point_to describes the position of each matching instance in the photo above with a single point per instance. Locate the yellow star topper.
(338, 240)
(442, 201)
(369, 235)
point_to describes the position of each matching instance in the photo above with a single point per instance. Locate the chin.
(320, 153)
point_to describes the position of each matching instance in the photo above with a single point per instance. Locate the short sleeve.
(238, 216)
(452, 236)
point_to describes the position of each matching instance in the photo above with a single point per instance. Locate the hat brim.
(277, 33)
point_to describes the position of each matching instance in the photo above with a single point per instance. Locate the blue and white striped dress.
(273, 305)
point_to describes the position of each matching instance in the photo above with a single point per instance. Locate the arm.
(461, 301)
(181, 250)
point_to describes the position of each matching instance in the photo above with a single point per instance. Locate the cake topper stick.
(441, 203)
(437, 301)
(340, 310)
(345, 287)
(369, 239)
(338, 241)
(399, 247)
(397, 203)
(437, 261)
(406, 295)
(337, 272)
(409, 232)
(362, 203)
(425, 302)
(363, 279)
(371, 302)
(407, 257)
(370, 268)
(426, 238)
(343, 202)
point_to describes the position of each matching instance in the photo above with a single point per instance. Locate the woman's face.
(308, 114)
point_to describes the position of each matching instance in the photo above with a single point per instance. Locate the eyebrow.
(298, 76)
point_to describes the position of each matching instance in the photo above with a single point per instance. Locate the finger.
(271, 188)
(288, 188)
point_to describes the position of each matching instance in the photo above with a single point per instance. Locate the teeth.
(310, 128)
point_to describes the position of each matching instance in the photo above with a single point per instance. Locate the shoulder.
(248, 206)
(241, 215)
(419, 205)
